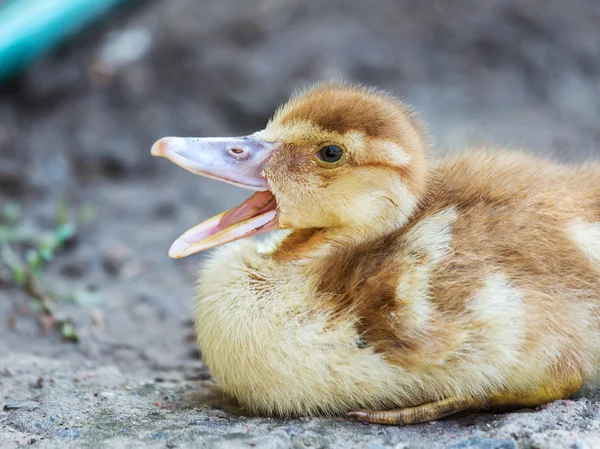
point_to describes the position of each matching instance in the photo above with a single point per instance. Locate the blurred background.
(88, 214)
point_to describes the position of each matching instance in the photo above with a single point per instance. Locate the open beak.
(239, 161)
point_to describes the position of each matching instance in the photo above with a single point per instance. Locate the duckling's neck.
(303, 246)
(307, 245)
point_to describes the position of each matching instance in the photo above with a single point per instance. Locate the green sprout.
(37, 249)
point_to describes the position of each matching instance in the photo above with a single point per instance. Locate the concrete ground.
(78, 127)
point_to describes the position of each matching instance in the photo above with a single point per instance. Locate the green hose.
(30, 28)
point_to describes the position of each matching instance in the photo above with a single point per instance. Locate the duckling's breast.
(266, 337)
(284, 342)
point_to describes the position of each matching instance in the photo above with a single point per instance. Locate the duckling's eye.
(330, 154)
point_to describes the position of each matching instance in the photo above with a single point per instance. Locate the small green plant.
(26, 252)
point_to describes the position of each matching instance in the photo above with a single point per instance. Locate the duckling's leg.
(499, 402)
(415, 415)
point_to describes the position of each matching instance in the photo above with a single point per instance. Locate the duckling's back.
(495, 282)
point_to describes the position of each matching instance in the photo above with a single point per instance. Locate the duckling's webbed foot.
(501, 401)
(415, 415)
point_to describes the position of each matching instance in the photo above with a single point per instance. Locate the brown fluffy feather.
(476, 278)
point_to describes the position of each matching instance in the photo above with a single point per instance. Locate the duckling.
(397, 289)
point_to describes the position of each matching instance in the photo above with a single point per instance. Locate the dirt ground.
(78, 126)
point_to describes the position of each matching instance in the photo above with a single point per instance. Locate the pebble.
(159, 435)
(123, 48)
(71, 434)
(484, 443)
(39, 383)
(107, 394)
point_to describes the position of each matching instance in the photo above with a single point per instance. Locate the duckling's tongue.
(237, 161)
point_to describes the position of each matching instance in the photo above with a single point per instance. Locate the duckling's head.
(338, 156)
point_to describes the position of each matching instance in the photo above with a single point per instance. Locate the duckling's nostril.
(238, 152)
